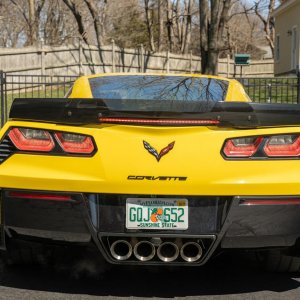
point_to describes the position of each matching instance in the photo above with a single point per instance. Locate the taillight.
(283, 145)
(40, 196)
(28, 139)
(242, 147)
(75, 143)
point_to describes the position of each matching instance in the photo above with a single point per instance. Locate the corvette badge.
(162, 152)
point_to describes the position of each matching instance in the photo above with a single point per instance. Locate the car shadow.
(233, 273)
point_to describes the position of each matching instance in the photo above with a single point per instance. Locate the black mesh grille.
(6, 149)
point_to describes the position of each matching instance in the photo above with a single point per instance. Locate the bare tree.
(214, 16)
(149, 22)
(31, 15)
(267, 19)
(160, 24)
(169, 24)
(97, 20)
(187, 26)
(73, 7)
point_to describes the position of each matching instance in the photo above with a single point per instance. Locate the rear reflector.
(158, 122)
(271, 201)
(40, 196)
(28, 139)
(242, 147)
(75, 143)
(283, 145)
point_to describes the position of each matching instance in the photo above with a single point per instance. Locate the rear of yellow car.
(147, 183)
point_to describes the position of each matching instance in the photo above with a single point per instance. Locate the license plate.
(157, 213)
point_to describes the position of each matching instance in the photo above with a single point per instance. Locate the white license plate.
(157, 213)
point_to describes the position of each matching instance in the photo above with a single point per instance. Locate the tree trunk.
(98, 26)
(213, 23)
(32, 22)
(160, 25)
(169, 25)
(204, 14)
(188, 27)
(96, 21)
(78, 17)
(268, 22)
(149, 23)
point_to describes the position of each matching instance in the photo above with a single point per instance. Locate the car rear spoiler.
(159, 112)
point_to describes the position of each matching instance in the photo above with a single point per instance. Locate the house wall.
(284, 23)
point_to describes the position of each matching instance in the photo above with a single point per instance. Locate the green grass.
(272, 90)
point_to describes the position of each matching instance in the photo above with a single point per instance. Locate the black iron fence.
(273, 90)
(30, 86)
(264, 90)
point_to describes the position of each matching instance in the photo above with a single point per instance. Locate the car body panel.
(120, 147)
(221, 192)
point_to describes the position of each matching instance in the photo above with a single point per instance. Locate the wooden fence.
(71, 60)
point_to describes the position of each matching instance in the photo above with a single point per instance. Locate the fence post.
(298, 84)
(142, 59)
(2, 100)
(191, 62)
(269, 92)
(113, 56)
(228, 65)
(168, 61)
(42, 58)
(80, 55)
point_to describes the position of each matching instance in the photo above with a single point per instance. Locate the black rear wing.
(159, 112)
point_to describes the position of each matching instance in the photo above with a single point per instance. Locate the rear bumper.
(216, 222)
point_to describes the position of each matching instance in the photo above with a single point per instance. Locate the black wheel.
(279, 261)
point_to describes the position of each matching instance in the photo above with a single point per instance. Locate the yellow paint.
(196, 155)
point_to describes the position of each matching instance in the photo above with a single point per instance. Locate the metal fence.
(30, 86)
(273, 90)
(264, 90)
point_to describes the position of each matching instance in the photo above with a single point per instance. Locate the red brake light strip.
(281, 201)
(40, 196)
(164, 122)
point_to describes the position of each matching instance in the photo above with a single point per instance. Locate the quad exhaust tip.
(191, 252)
(144, 250)
(121, 250)
(167, 252)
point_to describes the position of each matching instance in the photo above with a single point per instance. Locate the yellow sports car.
(152, 169)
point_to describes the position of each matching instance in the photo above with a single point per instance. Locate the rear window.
(159, 88)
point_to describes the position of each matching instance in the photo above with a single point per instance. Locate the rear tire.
(279, 261)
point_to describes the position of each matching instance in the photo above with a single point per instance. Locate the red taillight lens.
(40, 196)
(283, 145)
(28, 139)
(75, 143)
(242, 147)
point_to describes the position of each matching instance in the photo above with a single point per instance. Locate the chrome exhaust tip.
(191, 252)
(167, 252)
(121, 250)
(144, 251)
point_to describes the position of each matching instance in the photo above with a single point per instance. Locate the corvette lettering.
(165, 178)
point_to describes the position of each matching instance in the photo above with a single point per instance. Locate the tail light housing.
(40, 140)
(242, 147)
(75, 143)
(283, 145)
(27, 139)
(273, 146)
